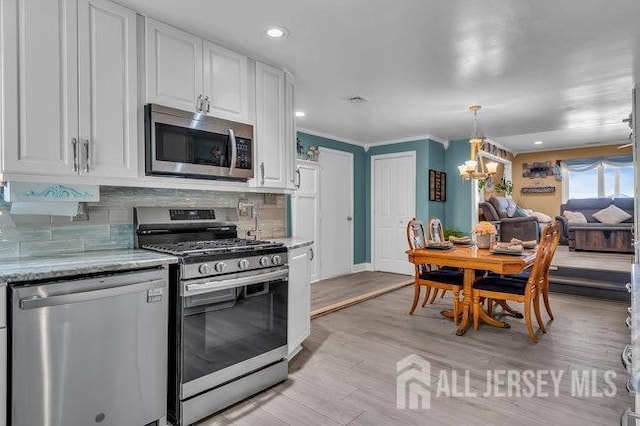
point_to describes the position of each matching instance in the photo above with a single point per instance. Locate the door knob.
(349, 218)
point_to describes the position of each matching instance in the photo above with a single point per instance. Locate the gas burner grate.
(212, 246)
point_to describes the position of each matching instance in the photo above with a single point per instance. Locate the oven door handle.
(234, 152)
(209, 286)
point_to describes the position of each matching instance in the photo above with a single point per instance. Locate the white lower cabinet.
(299, 313)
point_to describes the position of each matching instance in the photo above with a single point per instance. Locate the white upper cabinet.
(192, 74)
(272, 168)
(225, 82)
(69, 98)
(40, 87)
(173, 67)
(290, 129)
(107, 88)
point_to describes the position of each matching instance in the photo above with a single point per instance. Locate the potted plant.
(504, 186)
(484, 231)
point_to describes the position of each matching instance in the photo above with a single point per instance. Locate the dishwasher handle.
(37, 302)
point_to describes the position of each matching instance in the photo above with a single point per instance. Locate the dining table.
(472, 259)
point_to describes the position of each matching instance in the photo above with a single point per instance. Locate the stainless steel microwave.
(187, 144)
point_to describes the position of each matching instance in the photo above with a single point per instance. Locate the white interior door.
(336, 213)
(393, 200)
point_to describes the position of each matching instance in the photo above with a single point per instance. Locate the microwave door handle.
(234, 152)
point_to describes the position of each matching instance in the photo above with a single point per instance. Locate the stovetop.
(240, 246)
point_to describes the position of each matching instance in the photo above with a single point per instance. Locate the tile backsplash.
(110, 224)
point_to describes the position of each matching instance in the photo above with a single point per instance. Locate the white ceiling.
(557, 71)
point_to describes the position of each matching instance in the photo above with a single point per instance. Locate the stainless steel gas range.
(228, 310)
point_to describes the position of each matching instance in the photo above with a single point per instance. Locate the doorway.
(393, 204)
(336, 213)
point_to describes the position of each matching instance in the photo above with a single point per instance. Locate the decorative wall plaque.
(437, 186)
(538, 190)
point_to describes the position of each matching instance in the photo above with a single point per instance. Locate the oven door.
(186, 144)
(231, 326)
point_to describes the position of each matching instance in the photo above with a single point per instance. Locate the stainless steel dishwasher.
(90, 351)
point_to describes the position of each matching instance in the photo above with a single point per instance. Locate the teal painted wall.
(458, 205)
(360, 229)
(429, 155)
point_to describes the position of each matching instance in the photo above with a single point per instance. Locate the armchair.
(523, 228)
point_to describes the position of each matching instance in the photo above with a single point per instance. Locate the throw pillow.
(542, 218)
(520, 212)
(611, 215)
(574, 217)
(511, 211)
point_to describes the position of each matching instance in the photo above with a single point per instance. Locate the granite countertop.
(635, 324)
(293, 243)
(38, 268)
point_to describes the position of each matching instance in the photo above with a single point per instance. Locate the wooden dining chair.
(502, 288)
(544, 288)
(430, 277)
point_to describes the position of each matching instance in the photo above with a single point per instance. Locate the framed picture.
(437, 186)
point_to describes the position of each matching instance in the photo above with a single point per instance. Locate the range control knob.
(221, 267)
(205, 269)
(264, 261)
(243, 264)
(277, 260)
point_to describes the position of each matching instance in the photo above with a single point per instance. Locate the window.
(601, 181)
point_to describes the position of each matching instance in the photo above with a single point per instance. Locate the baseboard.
(361, 267)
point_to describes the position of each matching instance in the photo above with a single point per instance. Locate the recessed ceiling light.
(277, 32)
(537, 143)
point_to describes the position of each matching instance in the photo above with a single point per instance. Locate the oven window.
(225, 327)
(184, 145)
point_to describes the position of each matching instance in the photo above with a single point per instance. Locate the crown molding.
(408, 139)
(330, 136)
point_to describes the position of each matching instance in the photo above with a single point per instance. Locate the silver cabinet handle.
(207, 104)
(199, 104)
(311, 255)
(84, 296)
(624, 420)
(299, 178)
(74, 146)
(86, 155)
(628, 287)
(628, 322)
(262, 173)
(627, 357)
(234, 151)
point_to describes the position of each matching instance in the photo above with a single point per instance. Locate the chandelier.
(469, 170)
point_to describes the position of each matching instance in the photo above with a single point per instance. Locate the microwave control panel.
(245, 156)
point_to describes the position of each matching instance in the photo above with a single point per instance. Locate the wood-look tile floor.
(346, 374)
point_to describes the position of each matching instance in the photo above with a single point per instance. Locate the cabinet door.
(290, 129)
(225, 82)
(299, 317)
(40, 103)
(306, 211)
(270, 134)
(107, 89)
(173, 66)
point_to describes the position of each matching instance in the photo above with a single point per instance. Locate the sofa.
(594, 235)
(497, 209)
